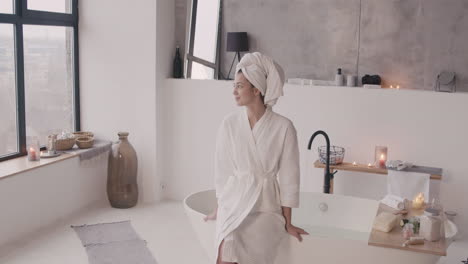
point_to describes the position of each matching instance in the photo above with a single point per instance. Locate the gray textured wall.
(407, 42)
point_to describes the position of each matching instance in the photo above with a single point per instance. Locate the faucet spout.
(327, 174)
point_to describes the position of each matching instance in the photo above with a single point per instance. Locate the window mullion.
(20, 91)
(76, 91)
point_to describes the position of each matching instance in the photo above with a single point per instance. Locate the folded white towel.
(407, 184)
(394, 201)
(385, 222)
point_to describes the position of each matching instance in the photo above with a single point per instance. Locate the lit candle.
(391, 86)
(380, 157)
(398, 86)
(369, 165)
(418, 201)
(354, 163)
(382, 161)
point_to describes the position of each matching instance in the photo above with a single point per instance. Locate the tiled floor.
(164, 226)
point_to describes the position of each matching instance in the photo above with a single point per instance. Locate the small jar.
(51, 143)
(408, 230)
(431, 225)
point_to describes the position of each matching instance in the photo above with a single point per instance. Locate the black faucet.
(327, 175)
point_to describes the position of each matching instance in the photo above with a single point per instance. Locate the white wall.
(118, 78)
(165, 50)
(427, 128)
(39, 197)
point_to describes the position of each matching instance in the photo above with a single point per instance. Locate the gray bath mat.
(115, 243)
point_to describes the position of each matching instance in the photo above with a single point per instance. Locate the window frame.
(191, 36)
(23, 16)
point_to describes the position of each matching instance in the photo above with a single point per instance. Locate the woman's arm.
(292, 230)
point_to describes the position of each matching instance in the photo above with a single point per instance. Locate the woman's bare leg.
(220, 257)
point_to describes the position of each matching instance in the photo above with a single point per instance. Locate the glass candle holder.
(33, 148)
(380, 157)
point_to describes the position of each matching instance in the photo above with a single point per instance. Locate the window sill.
(19, 165)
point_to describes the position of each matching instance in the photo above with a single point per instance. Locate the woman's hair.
(261, 95)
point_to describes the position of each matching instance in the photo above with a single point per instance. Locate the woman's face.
(244, 93)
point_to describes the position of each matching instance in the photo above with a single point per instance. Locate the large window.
(203, 55)
(38, 71)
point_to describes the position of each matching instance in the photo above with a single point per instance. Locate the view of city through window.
(48, 74)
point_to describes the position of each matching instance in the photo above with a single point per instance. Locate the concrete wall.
(418, 126)
(407, 42)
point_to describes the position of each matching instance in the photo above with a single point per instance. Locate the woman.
(256, 169)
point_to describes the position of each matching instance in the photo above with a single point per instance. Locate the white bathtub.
(337, 235)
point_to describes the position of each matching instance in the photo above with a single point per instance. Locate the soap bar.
(385, 222)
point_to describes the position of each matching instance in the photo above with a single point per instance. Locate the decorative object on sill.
(380, 157)
(116, 242)
(236, 42)
(33, 148)
(84, 142)
(51, 147)
(371, 79)
(446, 82)
(336, 154)
(52, 143)
(339, 78)
(351, 80)
(122, 188)
(65, 141)
(83, 133)
(177, 65)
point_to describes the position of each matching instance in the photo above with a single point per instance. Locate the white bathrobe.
(256, 172)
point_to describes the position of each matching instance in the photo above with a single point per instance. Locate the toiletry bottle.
(339, 78)
(431, 224)
(177, 65)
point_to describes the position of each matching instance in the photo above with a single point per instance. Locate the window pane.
(8, 127)
(48, 74)
(200, 71)
(59, 6)
(6, 6)
(206, 30)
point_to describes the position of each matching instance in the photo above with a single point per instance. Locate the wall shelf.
(436, 173)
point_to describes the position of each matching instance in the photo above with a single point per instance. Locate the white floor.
(164, 226)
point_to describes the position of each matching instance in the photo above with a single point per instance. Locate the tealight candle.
(398, 86)
(418, 201)
(354, 163)
(391, 86)
(369, 165)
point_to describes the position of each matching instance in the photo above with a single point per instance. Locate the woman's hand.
(296, 231)
(211, 216)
